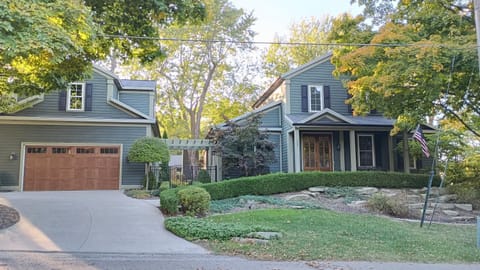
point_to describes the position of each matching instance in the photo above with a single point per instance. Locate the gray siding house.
(78, 138)
(305, 113)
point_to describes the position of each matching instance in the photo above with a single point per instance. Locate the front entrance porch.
(340, 149)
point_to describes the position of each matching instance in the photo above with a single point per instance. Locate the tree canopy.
(427, 64)
(244, 147)
(195, 73)
(45, 44)
(280, 58)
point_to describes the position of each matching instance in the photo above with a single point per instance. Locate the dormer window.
(76, 97)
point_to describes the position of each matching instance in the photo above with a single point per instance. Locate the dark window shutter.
(62, 100)
(304, 98)
(88, 97)
(326, 97)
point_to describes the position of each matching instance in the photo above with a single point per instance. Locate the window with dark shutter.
(304, 98)
(326, 97)
(88, 97)
(62, 100)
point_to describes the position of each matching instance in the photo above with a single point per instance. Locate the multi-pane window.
(366, 150)
(315, 98)
(76, 97)
(109, 150)
(85, 150)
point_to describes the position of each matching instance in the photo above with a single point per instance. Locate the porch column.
(353, 152)
(391, 165)
(341, 141)
(406, 155)
(290, 151)
(297, 149)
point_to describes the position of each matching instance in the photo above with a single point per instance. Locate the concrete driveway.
(88, 221)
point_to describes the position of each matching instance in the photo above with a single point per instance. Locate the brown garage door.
(71, 167)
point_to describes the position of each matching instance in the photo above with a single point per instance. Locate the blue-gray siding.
(272, 118)
(13, 135)
(138, 100)
(100, 107)
(318, 75)
(276, 138)
(285, 128)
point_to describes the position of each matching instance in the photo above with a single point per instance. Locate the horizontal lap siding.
(276, 139)
(272, 118)
(139, 101)
(13, 135)
(100, 107)
(318, 75)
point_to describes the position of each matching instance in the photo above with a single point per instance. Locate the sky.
(276, 16)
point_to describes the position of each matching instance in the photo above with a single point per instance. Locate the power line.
(195, 40)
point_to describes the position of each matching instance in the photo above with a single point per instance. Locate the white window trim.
(318, 86)
(83, 98)
(373, 150)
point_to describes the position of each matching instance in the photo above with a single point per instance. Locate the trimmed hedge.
(291, 182)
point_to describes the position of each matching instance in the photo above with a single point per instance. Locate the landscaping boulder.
(464, 207)
(367, 191)
(450, 213)
(318, 189)
(265, 235)
(299, 197)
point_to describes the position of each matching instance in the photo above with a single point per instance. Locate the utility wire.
(194, 40)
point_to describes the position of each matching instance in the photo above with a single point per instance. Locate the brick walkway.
(8, 216)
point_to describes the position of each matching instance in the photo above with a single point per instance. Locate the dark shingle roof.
(370, 120)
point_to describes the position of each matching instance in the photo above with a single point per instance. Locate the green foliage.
(149, 149)
(348, 193)
(169, 201)
(195, 72)
(331, 236)
(204, 177)
(290, 182)
(393, 206)
(463, 179)
(225, 205)
(143, 20)
(244, 147)
(281, 58)
(196, 229)
(195, 201)
(138, 193)
(152, 182)
(50, 43)
(409, 83)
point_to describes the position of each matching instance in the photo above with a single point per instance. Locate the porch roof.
(309, 119)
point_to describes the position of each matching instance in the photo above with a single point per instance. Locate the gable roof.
(265, 108)
(330, 117)
(288, 75)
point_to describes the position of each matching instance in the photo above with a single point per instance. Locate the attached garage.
(71, 167)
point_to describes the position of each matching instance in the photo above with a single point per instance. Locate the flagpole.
(430, 180)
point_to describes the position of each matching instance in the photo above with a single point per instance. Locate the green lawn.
(321, 234)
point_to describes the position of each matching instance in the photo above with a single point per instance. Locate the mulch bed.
(8, 216)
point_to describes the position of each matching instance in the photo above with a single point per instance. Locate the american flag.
(418, 135)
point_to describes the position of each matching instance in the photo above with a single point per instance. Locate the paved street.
(111, 261)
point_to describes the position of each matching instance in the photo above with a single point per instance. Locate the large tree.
(200, 67)
(287, 52)
(421, 62)
(45, 44)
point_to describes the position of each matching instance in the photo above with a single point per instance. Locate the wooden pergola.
(198, 144)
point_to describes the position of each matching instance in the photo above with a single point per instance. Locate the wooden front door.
(317, 152)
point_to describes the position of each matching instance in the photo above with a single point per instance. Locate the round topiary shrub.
(194, 201)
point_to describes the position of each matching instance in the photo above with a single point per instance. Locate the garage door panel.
(71, 167)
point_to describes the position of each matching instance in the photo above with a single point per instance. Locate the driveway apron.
(88, 221)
